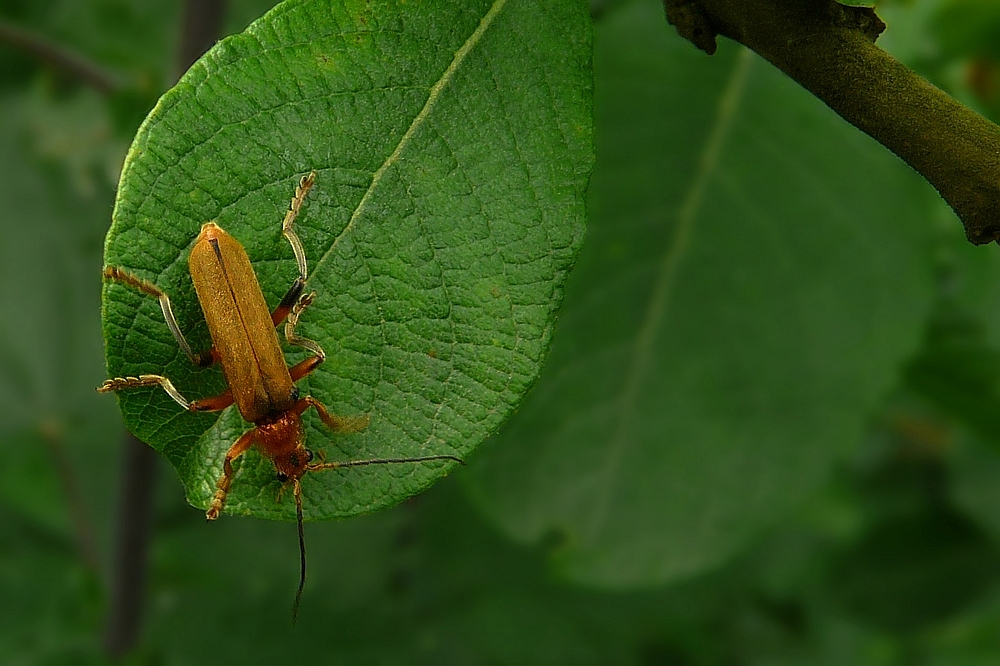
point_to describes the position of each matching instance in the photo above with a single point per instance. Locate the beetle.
(245, 343)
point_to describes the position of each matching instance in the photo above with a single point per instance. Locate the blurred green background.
(892, 559)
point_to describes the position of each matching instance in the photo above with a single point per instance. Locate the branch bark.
(128, 580)
(201, 27)
(829, 49)
(74, 64)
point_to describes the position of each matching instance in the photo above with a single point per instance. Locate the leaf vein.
(659, 300)
(418, 121)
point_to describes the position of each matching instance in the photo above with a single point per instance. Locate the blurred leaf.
(51, 610)
(958, 372)
(447, 212)
(919, 564)
(29, 481)
(427, 582)
(50, 357)
(975, 487)
(915, 570)
(966, 28)
(957, 368)
(125, 35)
(753, 277)
(76, 134)
(403, 586)
(131, 39)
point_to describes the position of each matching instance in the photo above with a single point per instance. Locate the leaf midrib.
(432, 98)
(418, 120)
(663, 287)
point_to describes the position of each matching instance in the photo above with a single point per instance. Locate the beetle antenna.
(315, 467)
(302, 551)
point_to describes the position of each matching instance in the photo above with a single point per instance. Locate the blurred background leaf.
(890, 558)
(732, 322)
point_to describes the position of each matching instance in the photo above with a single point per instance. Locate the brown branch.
(86, 543)
(74, 64)
(829, 49)
(128, 581)
(201, 26)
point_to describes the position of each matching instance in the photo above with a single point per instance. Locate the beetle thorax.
(281, 441)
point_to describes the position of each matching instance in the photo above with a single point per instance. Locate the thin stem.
(83, 529)
(202, 24)
(74, 64)
(128, 580)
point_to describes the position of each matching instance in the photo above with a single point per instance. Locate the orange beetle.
(245, 343)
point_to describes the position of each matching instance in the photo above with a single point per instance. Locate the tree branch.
(201, 26)
(61, 58)
(86, 543)
(829, 49)
(128, 580)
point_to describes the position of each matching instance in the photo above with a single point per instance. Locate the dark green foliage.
(731, 323)
(811, 471)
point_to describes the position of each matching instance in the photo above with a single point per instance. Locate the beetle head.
(283, 442)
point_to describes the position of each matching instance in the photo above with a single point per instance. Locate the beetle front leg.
(305, 184)
(119, 383)
(226, 480)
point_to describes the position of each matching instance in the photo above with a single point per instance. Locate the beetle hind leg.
(119, 383)
(121, 276)
(293, 320)
(335, 422)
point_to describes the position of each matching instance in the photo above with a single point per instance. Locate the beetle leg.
(305, 184)
(293, 320)
(303, 368)
(341, 424)
(116, 274)
(347, 424)
(222, 487)
(119, 383)
(288, 301)
(291, 297)
(214, 404)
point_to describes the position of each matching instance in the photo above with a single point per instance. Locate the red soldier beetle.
(245, 343)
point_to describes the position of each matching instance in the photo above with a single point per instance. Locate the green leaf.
(974, 472)
(753, 277)
(453, 146)
(913, 571)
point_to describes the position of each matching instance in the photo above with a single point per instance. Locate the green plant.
(763, 431)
